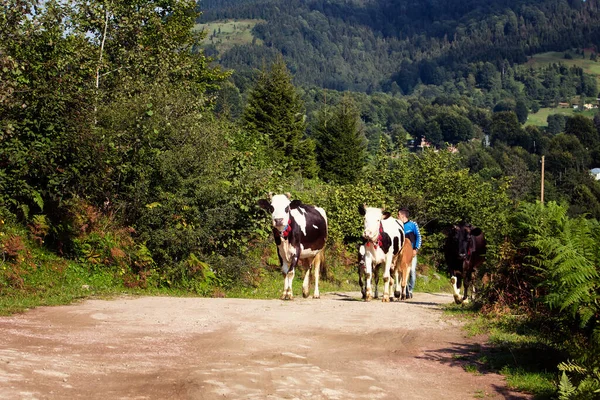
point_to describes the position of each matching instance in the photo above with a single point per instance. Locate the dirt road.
(192, 348)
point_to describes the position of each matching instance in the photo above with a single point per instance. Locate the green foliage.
(506, 128)
(340, 148)
(454, 127)
(275, 114)
(583, 128)
(32, 276)
(521, 110)
(556, 259)
(588, 382)
(370, 47)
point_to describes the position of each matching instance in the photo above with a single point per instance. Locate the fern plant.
(588, 386)
(567, 253)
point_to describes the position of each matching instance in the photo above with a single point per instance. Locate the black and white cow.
(384, 240)
(300, 232)
(464, 251)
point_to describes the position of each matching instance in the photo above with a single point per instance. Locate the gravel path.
(196, 348)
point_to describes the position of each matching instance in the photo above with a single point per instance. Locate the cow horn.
(288, 195)
(270, 195)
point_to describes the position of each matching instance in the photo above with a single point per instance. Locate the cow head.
(466, 234)
(279, 207)
(373, 217)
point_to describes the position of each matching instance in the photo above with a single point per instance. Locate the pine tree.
(275, 112)
(340, 144)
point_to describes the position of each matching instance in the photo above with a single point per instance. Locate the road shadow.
(344, 297)
(482, 359)
(422, 303)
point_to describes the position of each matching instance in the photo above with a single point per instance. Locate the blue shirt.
(411, 230)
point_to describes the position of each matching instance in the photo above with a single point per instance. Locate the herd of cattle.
(300, 233)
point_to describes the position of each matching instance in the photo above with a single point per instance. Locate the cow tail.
(320, 257)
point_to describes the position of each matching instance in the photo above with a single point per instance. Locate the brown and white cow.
(384, 243)
(300, 232)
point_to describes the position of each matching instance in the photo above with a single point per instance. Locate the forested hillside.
(392, 45)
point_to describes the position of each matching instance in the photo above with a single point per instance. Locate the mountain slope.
(371, 45)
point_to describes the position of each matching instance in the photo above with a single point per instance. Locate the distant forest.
(444, 71)
(392, 45)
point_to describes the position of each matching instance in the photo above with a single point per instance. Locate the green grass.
(514, 349)
(541, 117)
(472, 368)
(544, 59)
(433, 282)
(228, 33)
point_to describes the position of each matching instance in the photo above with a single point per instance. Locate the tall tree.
(81, 83)
(340, 143)
(505, 128)
(522, 111)
(275, 112)
(455, 128)
(583, 128)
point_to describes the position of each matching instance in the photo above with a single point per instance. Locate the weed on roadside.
(514, 349)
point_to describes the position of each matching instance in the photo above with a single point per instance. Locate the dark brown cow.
(464, 251)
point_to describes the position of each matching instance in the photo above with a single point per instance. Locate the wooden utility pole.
(542, 183)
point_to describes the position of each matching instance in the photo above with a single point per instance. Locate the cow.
(384, 243)
(300, 233)
(361, 273)
(464, 251)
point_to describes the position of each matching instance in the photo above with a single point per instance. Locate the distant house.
(595, 173)
(424, 143)
(588, 106)
(563, 105)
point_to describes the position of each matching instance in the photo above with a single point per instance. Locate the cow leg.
(317, 271)
(397, 282)
(405, 275)
(284, 271)
(455, 289)
(306, 282)
(361, 271)
(456, 282)
(467, 281)
(386, 280)
(288, 276)
(363, 289)
(376, 272)
(368, 273)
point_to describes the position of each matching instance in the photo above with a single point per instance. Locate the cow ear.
(361, 209)
(264, 204)
(288, 195)
(476, 231)
(386, 215)
(295, 204)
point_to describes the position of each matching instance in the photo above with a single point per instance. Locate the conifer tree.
(340, 144)
(275, 113)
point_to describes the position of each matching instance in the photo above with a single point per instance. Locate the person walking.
(411, 230)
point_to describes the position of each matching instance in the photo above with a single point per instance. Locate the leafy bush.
(550, 266)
